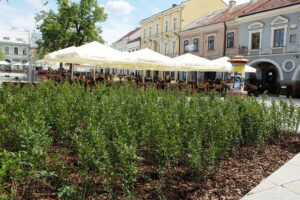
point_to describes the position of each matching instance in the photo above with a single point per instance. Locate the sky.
(123, 15)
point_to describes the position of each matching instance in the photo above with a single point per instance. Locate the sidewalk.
(284, 184)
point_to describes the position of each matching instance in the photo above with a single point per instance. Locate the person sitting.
(173, 82)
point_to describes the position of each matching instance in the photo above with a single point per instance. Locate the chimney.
(174, 5)
(232, 3)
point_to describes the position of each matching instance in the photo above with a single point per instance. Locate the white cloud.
(119, 7)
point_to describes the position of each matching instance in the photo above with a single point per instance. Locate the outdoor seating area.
(147, 62)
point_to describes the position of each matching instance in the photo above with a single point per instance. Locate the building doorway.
(267, 77)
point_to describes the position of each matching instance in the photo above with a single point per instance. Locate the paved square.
(284, 184)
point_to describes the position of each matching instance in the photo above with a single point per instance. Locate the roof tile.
(228, 14)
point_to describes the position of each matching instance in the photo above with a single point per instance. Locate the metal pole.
(72, 71)
(94, 72)
(30, 67)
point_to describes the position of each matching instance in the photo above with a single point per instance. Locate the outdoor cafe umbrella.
(147, 59)
(94, 53)
(52, 57)
(4, 63)
(17, 64)
(45, 63)
(224, 61)
(190, 62)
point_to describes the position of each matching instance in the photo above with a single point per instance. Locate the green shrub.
(109, 131)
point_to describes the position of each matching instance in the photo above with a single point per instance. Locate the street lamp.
(30, 67)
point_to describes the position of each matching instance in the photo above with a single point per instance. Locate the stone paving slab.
(277, 193)
(296, 161)
(294, 187)
(265, 185)
(286, 174)
(284, 184)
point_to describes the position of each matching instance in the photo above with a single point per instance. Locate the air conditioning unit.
(293, 26)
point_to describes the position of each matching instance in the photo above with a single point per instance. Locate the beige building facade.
(212, 41)
(215, 34)
(160, 32)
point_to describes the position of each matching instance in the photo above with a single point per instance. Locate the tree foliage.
(75, 24)
(2, 55)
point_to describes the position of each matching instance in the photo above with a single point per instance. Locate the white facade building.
(16, 44)
(130, 42)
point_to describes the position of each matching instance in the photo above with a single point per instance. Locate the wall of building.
(285, 59)
(168, 42)
(155, 36)
(126, 45)
(290, 51)
(203, 33)
(195, 9)
(11, 56)
(21, 39)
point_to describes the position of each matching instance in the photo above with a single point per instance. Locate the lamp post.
(238, 80)
(30, 67)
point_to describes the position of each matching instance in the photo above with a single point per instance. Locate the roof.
(219, 16)
(129, 34)
(173, 7)
(245, 9)
(266, 5)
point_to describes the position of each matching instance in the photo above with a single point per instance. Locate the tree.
(2, 55)
(74, 24)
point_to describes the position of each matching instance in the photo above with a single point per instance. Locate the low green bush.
(49, 132)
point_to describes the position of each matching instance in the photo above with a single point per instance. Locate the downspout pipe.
(225, 39)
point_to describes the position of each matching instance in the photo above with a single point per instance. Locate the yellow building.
(160, 32)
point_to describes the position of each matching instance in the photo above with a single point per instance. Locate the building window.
(186, 45)
(157, 27)
(144, 33)
(211, 43)
(19, 39)
(5, 38)
(174, 47)
(16, 51)
(6, 50)
(158, 48)
(166, 48)
(150, 31)
(196, 44)
(167, 26)
(175, 23)
(24, 52)
(230, 40)
(279, 38)
(255, 40)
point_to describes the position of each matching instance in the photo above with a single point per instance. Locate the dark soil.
(233, 177)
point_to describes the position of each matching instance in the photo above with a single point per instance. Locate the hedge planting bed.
(119, 142)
